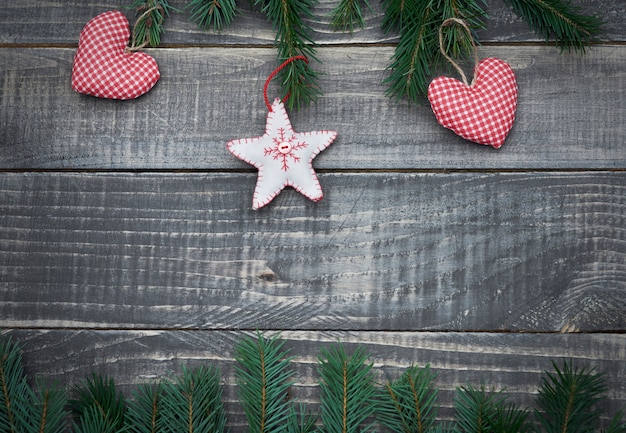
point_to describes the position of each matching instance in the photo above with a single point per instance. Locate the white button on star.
(283, 157)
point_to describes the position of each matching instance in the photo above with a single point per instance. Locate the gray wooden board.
(512, 361)
(392, 251)
(570, 115)
(28, 23)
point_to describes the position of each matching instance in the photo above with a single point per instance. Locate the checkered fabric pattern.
(482, 112)
(103, 69)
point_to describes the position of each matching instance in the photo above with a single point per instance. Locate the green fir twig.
(418, 22)
(347, 390)
(98, 407)
(193, 404)
(149, 25)
(408, 403)
(566, 23)
(293, 38)
(568, 399)
(348, 14)
(214, 14)
(23, 409)
(145, 409)
(264, 378)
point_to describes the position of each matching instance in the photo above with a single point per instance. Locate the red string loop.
(273, 74)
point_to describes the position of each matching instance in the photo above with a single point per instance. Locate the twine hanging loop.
(451, 21)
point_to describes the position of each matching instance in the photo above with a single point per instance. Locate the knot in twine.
(449, 22)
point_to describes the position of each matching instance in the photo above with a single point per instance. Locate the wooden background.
(128, 245)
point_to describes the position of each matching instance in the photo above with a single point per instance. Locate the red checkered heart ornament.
(104, 68)
(482, 112)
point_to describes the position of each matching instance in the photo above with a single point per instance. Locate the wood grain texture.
(28, 23)
(209, 96)
(512, 361)
(382, 251)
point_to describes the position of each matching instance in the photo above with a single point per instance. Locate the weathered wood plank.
(29, 23)
(512, 361)
(461, 251)
(570, 119)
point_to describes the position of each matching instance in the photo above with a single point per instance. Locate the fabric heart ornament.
(104, 67)
(483, 111)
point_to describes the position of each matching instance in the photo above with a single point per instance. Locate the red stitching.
(273, 74)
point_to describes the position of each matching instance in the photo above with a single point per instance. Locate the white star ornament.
(283, 157)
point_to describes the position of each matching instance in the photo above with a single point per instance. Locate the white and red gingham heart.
(482, 112)
(103, 68)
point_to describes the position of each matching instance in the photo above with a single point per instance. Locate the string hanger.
(273, 74)
(451, 21)
(134, 47)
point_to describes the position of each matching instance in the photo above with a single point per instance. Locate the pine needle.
(150, 16)
(213, 13)
(193, 404)
(568, 399)
(408, 404)
(348, 14)
(14, 390)
(293, 38)
(264, 378)
(145, 409)
(98, 407)
(347, 390)
(563, 21)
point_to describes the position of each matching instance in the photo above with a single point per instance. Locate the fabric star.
(283, 157)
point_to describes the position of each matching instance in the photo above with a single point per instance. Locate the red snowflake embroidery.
(284, 148)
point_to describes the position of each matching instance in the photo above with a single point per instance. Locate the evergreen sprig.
(150, 16)
(264, 378)
(569, 26)
(479, 410)
(418, 50)
(98, 407)
(193, 403)
(213, 13)
(347, 390)
(348, 14)
(293, 38)
(568, 399)
(23, 409)
(408, 403)
(418, 22)
(145, 409)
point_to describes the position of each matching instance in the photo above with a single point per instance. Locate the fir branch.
(617, 424)
(213, 13)
(14, 391)
(347, 390)
(408, 404)
(418, 49)
(348, 14)
(301, 421)
(482, 411)
(264, 379)
(193, 404)
(47, 410)
(293, 38)
(145, 409)
(410, 66)
(150, 16)
(475, 408)
(98, 408)
(570, 27)
(568, 399)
